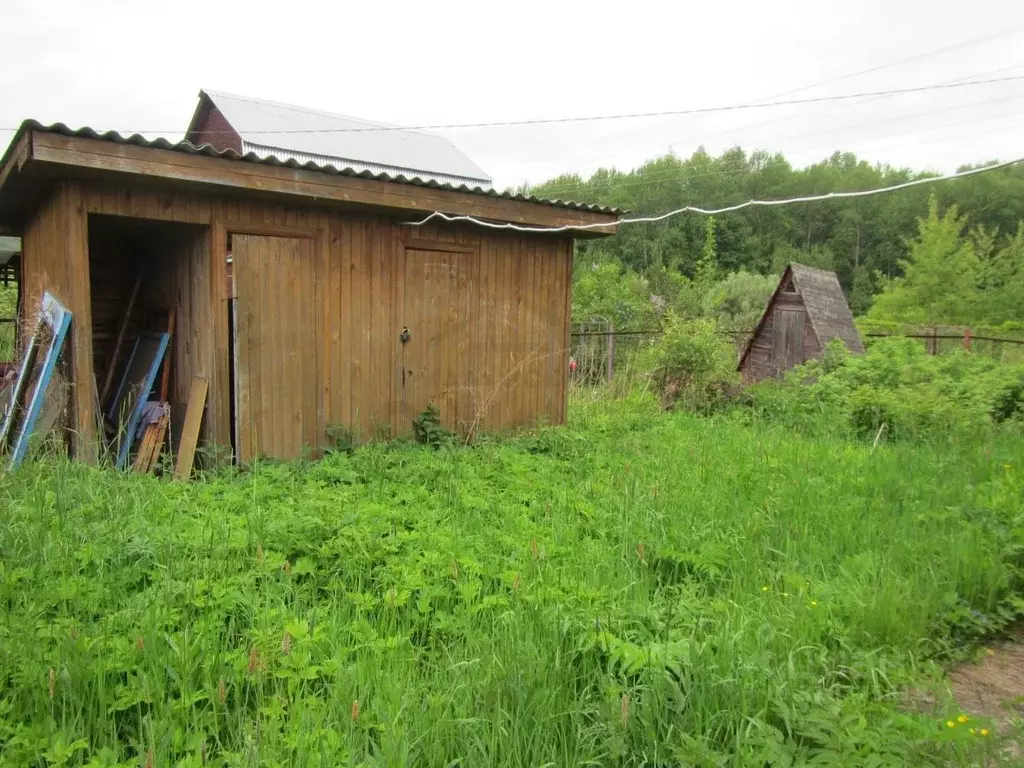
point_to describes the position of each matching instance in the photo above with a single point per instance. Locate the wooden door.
(275, 347)
(436, 312)
(787, 338)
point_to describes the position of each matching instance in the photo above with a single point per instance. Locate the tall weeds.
(637, 589)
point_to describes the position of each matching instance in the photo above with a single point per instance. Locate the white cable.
(716, 211)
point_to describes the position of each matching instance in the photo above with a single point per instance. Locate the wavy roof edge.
(208, 151)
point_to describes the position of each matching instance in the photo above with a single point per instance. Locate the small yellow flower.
(962, 719)
(764, 589)
(814, 603)
(950, 724)
(984, 731)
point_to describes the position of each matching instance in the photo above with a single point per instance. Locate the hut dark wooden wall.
(487, 312)
(775, 348)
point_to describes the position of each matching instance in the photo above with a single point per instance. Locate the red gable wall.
(210, 127)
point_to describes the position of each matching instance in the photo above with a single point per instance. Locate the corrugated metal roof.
(207, 151)
(306, 157)
(272, 129)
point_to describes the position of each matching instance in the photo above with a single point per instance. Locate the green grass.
(8, 309)
(638, 589)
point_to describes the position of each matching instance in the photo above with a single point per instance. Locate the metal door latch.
(404, 335)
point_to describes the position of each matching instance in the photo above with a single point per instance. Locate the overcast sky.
(131, 66)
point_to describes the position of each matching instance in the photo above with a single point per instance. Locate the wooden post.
(967, 339)
(935, 340)
(611, 352)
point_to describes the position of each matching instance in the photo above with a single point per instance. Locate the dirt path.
(993, 688)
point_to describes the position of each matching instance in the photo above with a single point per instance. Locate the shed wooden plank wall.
(177, 281)
(507, 367)
(54, 248)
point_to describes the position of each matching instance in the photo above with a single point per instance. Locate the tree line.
(952, 252)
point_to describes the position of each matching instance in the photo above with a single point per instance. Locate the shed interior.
(140, 275)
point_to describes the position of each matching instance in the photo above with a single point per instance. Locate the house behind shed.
(807, 310)
(299, 288)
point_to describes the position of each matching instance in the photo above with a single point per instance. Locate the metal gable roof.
(271, 129)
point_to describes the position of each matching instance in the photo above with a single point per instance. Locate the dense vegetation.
(864, 240)
(633, 590)
(899, 388)
(8, 309)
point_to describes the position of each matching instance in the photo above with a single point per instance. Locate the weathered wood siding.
(54, 250)
(277, 347)
(177, 281)
(507, 296)
(761, 363)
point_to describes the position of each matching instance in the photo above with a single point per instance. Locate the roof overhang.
(40, 155)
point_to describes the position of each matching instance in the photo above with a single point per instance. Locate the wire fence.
(599, 351)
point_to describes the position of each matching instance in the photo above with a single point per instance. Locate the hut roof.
(825, 303)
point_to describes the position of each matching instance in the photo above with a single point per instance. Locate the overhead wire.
(667, 177)
(719, 134)
(878, 68)
(714, 211)
(907, 60)
(835, 107)
(901, 62)
(625, 116)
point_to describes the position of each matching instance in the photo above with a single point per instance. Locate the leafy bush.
(693, 367)
(896, 383)
(427, 429)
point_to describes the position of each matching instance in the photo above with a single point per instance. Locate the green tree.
(939, 283)
(609, 291)
(1001, 279)
(707, 265)
(738, 300)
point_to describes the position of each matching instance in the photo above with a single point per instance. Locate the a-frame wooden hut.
(807, 310)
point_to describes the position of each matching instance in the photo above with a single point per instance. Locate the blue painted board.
(139, 377)
(58, 319)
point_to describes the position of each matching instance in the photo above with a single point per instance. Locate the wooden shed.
(807, 310)
(299, 288)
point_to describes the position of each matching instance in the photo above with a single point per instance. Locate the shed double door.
(275, 346)
(438, 313)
